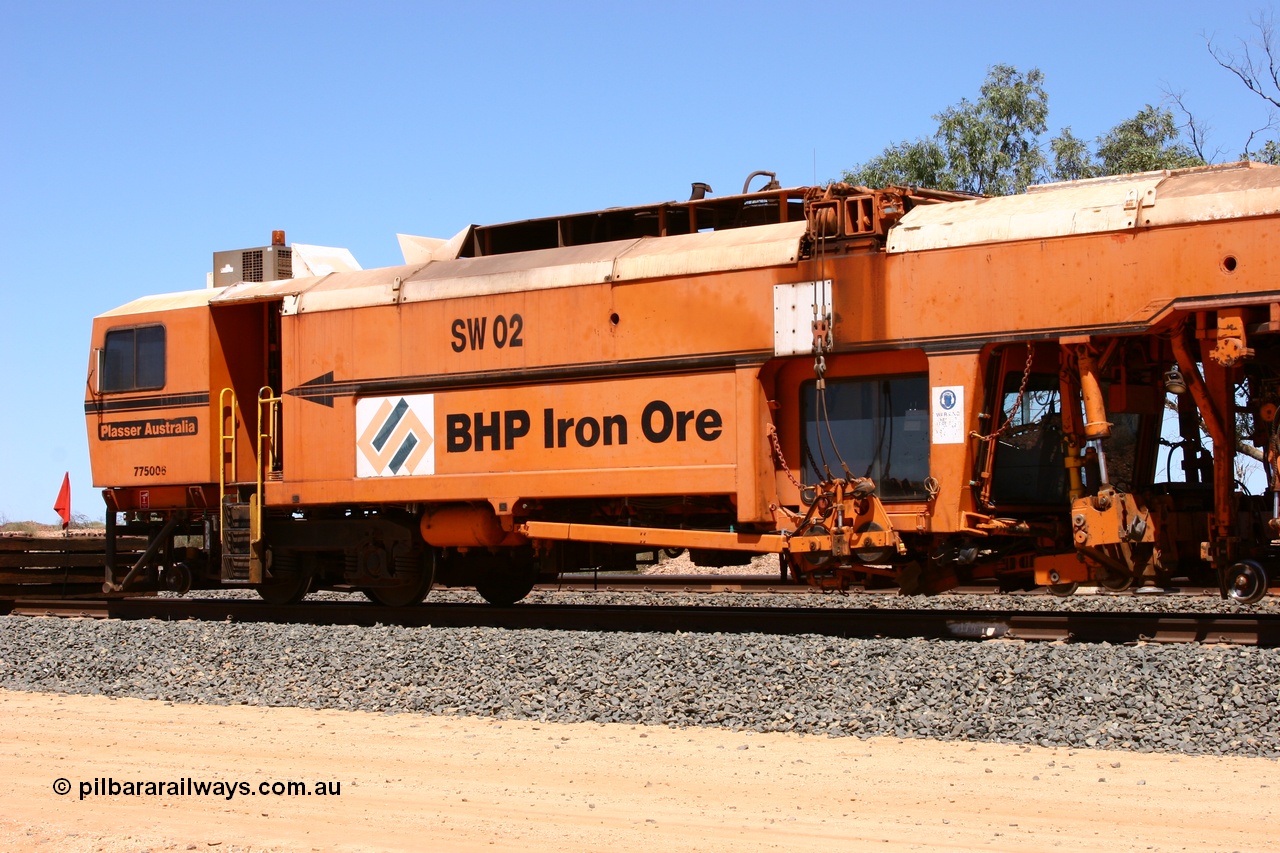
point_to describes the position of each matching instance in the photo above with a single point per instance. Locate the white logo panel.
(393, 436)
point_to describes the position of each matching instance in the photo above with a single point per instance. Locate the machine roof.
(165, 302)
(1125, 202)
(544, 269)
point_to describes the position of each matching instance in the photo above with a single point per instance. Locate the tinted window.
(880, 429)
(1029, 456)
(133, 359)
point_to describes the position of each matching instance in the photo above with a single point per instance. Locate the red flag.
(62, 506)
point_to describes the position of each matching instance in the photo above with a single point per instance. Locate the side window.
(133, 359)
(1029, 456)
(879, 428)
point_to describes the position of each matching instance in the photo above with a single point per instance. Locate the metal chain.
(1017, 403)
(777, 451)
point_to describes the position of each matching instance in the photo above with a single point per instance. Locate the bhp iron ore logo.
(393, 439)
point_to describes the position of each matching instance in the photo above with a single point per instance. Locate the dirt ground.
(410, 782)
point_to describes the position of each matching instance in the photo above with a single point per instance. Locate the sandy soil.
(413, 782)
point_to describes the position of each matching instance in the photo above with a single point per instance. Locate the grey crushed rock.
(1166, 698)
(1036, 602)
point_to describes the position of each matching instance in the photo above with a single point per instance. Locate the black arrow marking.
(319, 390)
(324, 390)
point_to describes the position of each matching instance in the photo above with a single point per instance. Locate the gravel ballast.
(1185, 699)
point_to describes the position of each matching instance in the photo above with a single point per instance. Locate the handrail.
(267, 444)
(226, 403)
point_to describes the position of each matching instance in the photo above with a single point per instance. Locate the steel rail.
(773, 584)
(1261, 630)
(632, 582)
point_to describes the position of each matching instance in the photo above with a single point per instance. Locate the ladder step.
(235, 568)
(240, 564)
(236, 512)
(236, 540)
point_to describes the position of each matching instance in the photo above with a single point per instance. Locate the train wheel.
(869, 557)
(285, 587)
(1246, 582)
(177, 578)
(412, 583)
(1116, 582)
(1062, 590)
(506, 584)
(408, 592)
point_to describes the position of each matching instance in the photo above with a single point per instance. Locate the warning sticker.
(948, 414)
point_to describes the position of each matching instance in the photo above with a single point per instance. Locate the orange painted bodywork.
(145, 459)
(564, 334)
(207, 351)
(522, 396)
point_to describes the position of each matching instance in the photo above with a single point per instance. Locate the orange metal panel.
(756, 492)
(962, 297)
(951, 463)
(610, 433)
(154, 437)
(580, 483)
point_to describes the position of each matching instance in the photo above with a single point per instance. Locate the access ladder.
(241, 511)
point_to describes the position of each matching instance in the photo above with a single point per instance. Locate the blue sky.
(139, 138)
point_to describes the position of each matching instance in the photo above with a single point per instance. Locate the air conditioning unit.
(267, 263)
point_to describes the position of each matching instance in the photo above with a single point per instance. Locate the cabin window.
(133, 359)
(1029, 458)
(878, 427)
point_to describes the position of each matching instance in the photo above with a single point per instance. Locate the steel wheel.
(813, 560)
(285, 588)
(177, 578)
(505, 579)
(1062, 590)
(1246, 582)
(1116, 582)
(410, 584)
(505, 588)
(868, 557)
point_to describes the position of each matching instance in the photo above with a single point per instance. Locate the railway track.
(773, 584)
(46, 568)
(1262, 630)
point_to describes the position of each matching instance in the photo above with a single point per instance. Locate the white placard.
(948, 414)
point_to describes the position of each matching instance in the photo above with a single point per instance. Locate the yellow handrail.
(226, 404)
(268, 408)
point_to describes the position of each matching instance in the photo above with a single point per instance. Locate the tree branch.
(1246, 67)
(1198, 132)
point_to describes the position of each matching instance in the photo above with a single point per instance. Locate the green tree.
(992, 146)
(989, 146)
(922, 163)
(1148, 141)
(1072, 159)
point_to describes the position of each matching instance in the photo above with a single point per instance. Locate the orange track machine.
(897, 385)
